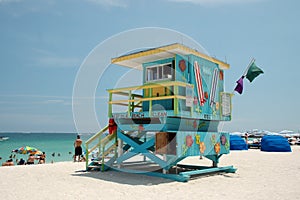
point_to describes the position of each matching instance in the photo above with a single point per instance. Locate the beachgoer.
(30, 159)
(21, 162)
(9, 162)
(42, 158)
(112, 126)
(78, 149)
(246, 138)
(82, 158)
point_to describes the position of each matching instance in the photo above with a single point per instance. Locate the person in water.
(78, 149)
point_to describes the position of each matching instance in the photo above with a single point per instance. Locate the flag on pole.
(251, 73)
(199, 83)
(239, 86)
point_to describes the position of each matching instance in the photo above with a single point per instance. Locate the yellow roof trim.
(171, 49)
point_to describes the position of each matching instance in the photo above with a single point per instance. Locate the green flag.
(253, 72)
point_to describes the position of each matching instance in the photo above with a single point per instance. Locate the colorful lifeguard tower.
(174, 114)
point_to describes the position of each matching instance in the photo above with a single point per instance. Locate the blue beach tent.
(237, 143)
(275, 143)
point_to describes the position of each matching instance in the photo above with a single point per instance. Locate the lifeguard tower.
(174, 114)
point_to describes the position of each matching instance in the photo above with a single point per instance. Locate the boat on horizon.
(3, 138)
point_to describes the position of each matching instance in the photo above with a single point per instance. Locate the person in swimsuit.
(42, 158)
(21, 162)
(31, 159)
(8, 163)
(78, 149)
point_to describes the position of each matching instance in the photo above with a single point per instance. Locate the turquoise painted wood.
(139, 149)
(160, 121)
(208, 111)
(202, 143)
(229, 169)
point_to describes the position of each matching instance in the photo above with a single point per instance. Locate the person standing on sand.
(42, 158)
(31, 159)
(246, 138)
(78, 149)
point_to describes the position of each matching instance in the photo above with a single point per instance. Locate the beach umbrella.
(38, 152)
(27, 150)
(237, 133)
(286, 132)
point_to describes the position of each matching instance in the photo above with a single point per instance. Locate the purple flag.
(239, 86)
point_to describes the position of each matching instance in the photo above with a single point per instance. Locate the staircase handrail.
(96, 136)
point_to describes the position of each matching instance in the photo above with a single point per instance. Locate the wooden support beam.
(229, 169)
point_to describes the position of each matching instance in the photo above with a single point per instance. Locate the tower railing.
(134, 100)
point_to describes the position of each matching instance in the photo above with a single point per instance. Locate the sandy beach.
(260, 175)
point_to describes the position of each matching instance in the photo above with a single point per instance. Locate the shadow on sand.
(123, 177)
(137, 178)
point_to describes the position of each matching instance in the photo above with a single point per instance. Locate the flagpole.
(251, 62)
(245, 73)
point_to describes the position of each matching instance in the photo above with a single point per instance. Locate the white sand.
(260, 175)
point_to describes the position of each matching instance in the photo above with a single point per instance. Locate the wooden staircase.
(105, 144)
(105, 148)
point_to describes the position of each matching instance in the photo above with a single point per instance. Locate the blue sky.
(44, 43)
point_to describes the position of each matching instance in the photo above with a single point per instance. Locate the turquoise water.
(58, 144)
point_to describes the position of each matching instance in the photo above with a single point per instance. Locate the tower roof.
(136, 59)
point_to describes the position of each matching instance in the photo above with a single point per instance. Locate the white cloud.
(110, 3)
(54, 101)
(43, 58)
(216, 2)
(56, 61)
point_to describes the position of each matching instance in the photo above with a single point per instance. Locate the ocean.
(57, 146)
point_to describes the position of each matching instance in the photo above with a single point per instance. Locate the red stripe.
(199, 83)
